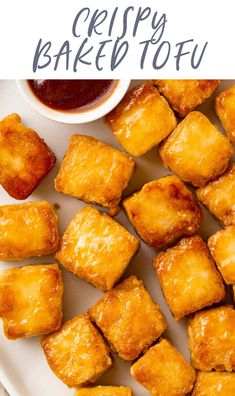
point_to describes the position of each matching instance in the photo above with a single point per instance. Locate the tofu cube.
(96, 248)
(163, 211)
(196, 150)
(28, 229)
(25, 159)
(77, 353)
(214, 384)
(94, 172)
(105, 391)
(212, 339)
(141, 120)
(222, 248)
(188, 277)
(219, 197)
(164, 371)
(129, 319)
(225, 109)
(31, 300)
(185, 95)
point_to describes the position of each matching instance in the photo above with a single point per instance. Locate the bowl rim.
(74, 117)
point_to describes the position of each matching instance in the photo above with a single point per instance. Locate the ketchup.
(70, 94)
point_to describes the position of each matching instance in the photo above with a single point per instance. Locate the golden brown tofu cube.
(212, 339)
(77, 353)
(188, 277)
(184, 95)
(222, 248)
(141, 120)
(214, 384)
(31, 300)
(94, 172)
(129, 319)
(24, 158)
(28, 229)
(219, 197)
(225, 109)
(196, 150)
(96, 248)
(163, 211)
(164, 371)
(105, 391)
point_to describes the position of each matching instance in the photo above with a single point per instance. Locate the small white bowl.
(75, 117)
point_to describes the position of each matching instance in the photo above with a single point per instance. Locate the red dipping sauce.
(72, 94)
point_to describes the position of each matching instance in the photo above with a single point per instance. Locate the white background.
(24, 22)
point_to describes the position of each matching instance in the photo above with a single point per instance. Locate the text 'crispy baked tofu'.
(163, 211)
(24, 158)
(164, 371)
(219, 197)
(196, 150)
(31, 300)
(94, 172)
(188, 277)
(184, 95)
(212, 339)
(129, 319)
(77, 353)
(96, 248)
(28, 229)
(141, 120)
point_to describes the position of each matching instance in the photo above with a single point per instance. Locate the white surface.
(23, 368)
(3, 392)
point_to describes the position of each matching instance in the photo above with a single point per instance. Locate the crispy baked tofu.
(28, 229)
(219, 197)
(212, 339)
(164, 371)
(94, 172)
(141, 120)
(163, 211)
(105, 391)
(77, 353)
(225, 109)
(214, 384)
(188, 277)
(185, 95)
(196, 150)
(25, 159)
(96, 248)
(129, 319)
(222, 248)
(31, 300)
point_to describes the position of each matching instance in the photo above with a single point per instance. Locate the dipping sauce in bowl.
(66, 95)
(73, 101)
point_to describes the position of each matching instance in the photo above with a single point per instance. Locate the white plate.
(23, 368)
